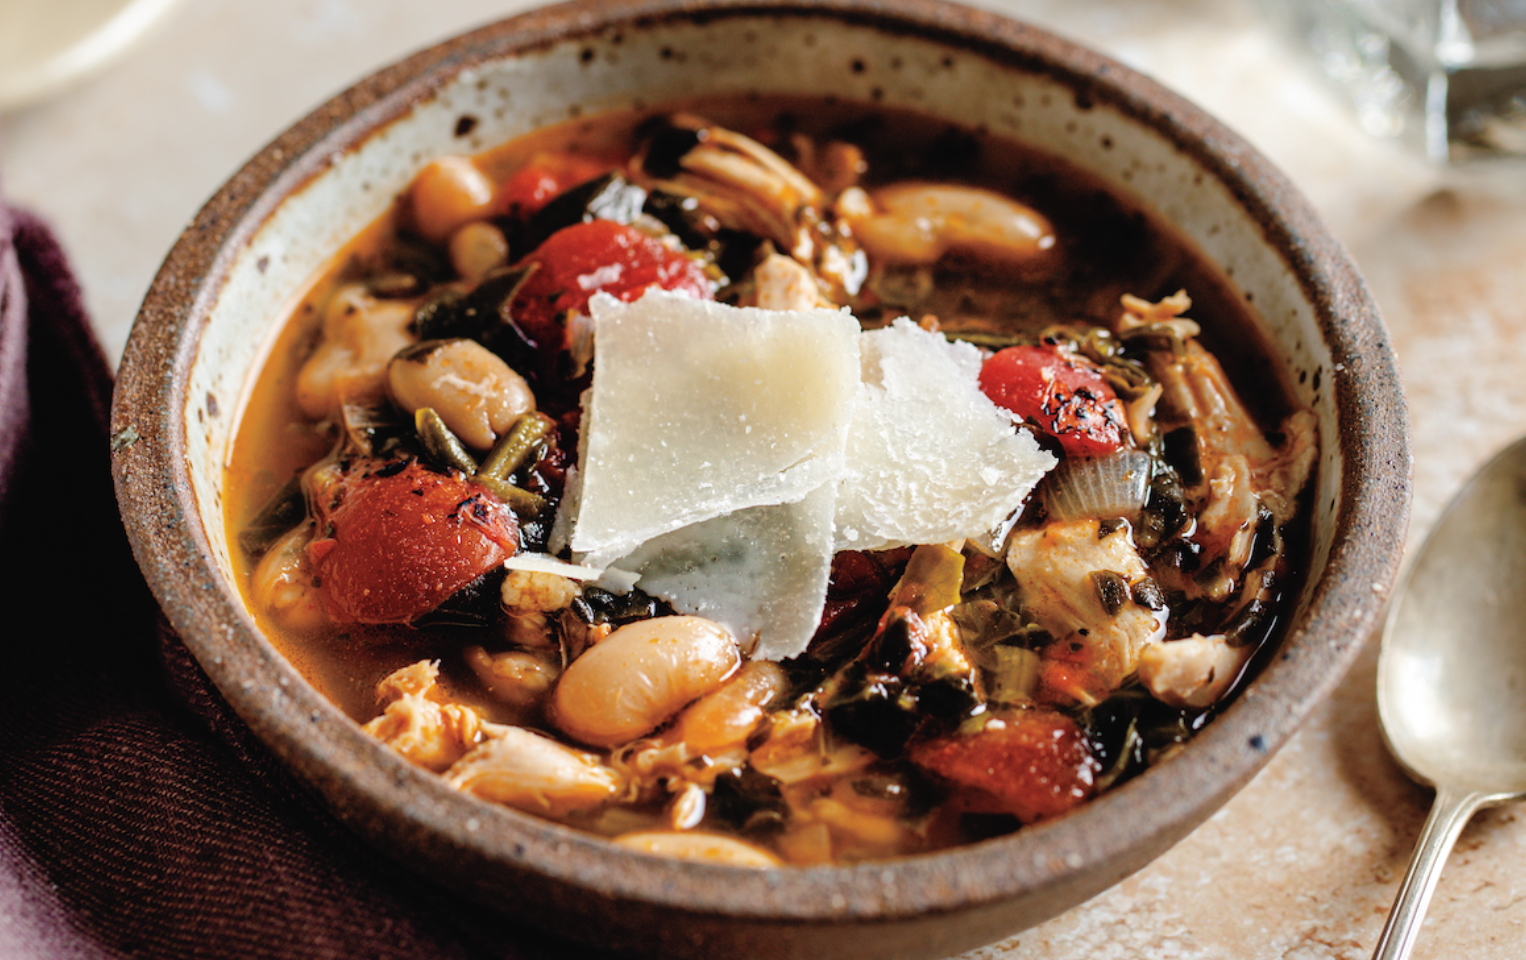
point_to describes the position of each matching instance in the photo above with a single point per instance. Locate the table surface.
(1301, 865)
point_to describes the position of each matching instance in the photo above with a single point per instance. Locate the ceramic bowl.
(210, 314)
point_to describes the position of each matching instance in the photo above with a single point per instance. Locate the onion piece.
(1106, 487)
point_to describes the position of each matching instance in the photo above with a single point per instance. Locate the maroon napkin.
(138, 817)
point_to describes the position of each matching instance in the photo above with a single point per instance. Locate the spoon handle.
(1449, 814)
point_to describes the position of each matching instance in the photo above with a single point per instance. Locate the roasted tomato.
(1032, 764)
(397, 539)
(599, 256)
(1065, 395)
(544, 178)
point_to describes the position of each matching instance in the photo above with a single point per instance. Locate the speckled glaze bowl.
(210, 315)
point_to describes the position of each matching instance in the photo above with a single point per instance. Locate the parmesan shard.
(761, 571)
(699, 409)
(545, 563)
(726, 454)
(930, 458)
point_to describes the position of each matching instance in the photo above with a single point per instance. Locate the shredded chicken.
(361, 334)
(531, 772)
(1055, 565)
(783, 283)
(744, 185)
(428, 732)
(1242, 473)
(1192, 672)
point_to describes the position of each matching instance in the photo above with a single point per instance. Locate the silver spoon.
(1452, 674)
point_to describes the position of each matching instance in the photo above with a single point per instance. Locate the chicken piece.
(1241, 471)
(525, 770)
(1194, 671)
(742, 184)
(415, 723)
(797, 749)
(782, 283)
(530, 598)
(361, 334)
(1068, 572)
(519, 678)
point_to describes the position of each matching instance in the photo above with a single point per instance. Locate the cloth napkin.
(138, 816)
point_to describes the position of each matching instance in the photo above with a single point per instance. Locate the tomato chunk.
(399, 541)
(1065, 395)
(592, 257)
(1032, 764)
(543, 179)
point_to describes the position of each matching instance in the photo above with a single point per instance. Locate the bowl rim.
(1081, 853)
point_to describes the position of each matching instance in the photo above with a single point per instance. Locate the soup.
(771, 481)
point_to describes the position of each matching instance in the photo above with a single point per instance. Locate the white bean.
(448, 193)
(477, 395)
(918, 223)
(726, 717)
(640, 676)
(698, 845)
(478, 249)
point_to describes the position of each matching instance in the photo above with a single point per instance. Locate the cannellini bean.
(516, 677)
(478, 249)
(282, 584)
(698, 845)
(534, 773)
(918, 223)
(477, 395)
(640, 676)
(448, 193)
(728, 716)
(360, 334)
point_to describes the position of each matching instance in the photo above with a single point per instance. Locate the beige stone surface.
(1303, 863)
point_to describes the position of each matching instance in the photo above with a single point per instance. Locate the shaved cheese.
(762, 572)
(545, 563)
(930, 457)
(727, 453)
(699, 409)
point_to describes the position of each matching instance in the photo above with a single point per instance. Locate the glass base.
(1447, 76)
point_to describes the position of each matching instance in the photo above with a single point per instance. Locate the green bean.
(520, 500)
(440, 443)
(510, 453)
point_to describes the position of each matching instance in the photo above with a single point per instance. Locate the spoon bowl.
(1452, 674)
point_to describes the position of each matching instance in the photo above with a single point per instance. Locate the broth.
(915, 792)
